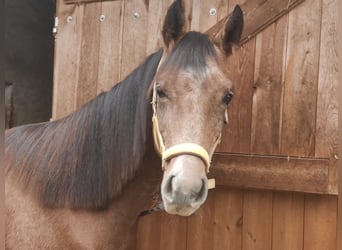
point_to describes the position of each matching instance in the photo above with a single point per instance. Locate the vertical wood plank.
(218, 224)
(156, 12)
(327, 106)
(288, 221)
(268, 88)
(134, 35)
(236, 135)
(66, 61)
(257, 220)
(301, 76)
(173, 232)
(89, 56)
(228, 208)
(202, 20)
(320, 222)
(201, 226)
(148, 233)
(110, 46)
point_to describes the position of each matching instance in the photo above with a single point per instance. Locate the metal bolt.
(102, 18)
(212, 11)
(336, 156)
(69, 19)
(136, 15)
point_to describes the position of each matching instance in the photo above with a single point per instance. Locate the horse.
(81, 182)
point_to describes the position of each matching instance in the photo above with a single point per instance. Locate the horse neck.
(93, 153)
(122, 215)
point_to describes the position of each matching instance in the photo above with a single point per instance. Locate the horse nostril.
(169, 185)
(202, 191)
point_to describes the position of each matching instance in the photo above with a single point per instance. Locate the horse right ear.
(231, 33)
(174, 24)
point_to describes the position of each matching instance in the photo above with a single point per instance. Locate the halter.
(187, 148)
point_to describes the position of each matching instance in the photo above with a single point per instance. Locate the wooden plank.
(258, 15)
(201, 225)
(156, 13)
(228, 214)
(288, 221)
(8, 105)
(268, 88)
(173, 232)
(299, 113)
(236, 136)
(148, 233)
(66, 62)
(327, 106)
(257, 220)
(110, 46)
(202, 19)
(271, 172)
(134, 35)
(89, 56)
(339, 162)
(84, 1)
(320, 222)
(218, 223)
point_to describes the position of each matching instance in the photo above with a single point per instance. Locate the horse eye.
(228, 97)
(160, 92)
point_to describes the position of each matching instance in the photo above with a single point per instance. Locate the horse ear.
(174, 24)
(231, 33)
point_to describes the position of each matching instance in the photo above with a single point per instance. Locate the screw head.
(102, 18)
(213, 11)
(69, 19)
(136, 15)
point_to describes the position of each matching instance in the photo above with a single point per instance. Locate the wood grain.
(66, 61)
(327, 104)
(301, 79)
(268, 89)
(271, 172)
(134, 37)
(258, 15)
(89, 55)
(109, 45)
(84, 1)
(320, 222)
(148, 234)
(257, 220)
(201, 226)
(288, 221)
(155, 24)
(201, 19)
(173, 232)
(218, 224)
(236, 135)
(228, 216)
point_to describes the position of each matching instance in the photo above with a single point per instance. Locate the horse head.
(191, 94)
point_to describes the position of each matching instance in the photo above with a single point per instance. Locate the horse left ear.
(231, 34)
(174, 24)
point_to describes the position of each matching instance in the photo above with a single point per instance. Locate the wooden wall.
(276, 166)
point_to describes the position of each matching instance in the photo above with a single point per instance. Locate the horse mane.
(84, 160)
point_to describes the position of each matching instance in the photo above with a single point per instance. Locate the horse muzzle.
(185, 185)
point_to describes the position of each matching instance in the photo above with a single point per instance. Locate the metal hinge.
(54, 29)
